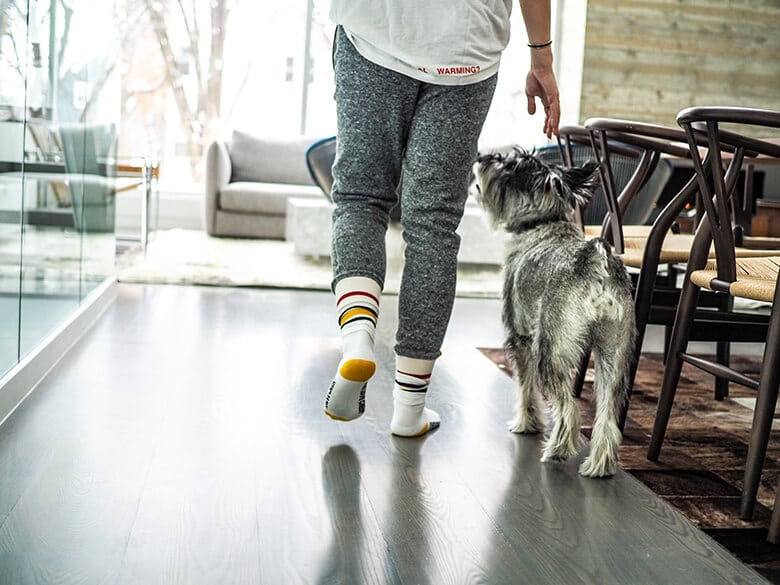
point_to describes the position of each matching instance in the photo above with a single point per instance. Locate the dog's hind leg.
(564, 440)
(611, 377)
(529, 407)
(555, 377)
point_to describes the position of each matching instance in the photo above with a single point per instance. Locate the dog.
(564, 297)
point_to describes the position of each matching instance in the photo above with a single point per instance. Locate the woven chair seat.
(676, 249)
(756, 278)
(629, 231)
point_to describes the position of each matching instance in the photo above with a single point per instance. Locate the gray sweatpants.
(388, 125)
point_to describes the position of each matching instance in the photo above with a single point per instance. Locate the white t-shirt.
(447, 42)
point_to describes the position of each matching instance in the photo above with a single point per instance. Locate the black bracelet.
(540, 45)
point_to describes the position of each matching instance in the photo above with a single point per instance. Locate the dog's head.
(518, 189)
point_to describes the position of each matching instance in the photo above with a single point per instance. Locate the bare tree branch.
(110, 64)
(152, 89)
(244, 80)
(174, 74)
(213, 85)
(68, 17)
(193, 34)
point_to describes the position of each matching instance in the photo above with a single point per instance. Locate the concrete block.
(308, 227)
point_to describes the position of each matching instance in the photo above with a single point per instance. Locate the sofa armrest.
(218, 172)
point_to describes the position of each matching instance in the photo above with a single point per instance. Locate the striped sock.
(357, 305)
(410, 417)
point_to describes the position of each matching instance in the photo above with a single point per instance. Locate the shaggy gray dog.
(563, 296)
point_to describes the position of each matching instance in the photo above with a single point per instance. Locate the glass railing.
(57, 163)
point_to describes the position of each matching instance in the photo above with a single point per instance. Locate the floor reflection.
(343, 563)
(408, 513)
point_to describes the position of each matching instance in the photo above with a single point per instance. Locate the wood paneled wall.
(648, 59)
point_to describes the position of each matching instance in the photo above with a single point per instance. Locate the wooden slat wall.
(648, 59)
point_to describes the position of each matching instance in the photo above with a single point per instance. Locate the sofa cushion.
(269, 160)
(265, 198)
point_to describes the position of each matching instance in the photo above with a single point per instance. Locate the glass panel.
(100, 135)
(57, 155)
(51, 250)
(14, 34)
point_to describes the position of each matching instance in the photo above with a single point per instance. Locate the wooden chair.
(656, 257)
(728, 275)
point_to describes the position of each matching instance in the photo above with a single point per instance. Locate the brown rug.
(703, 456)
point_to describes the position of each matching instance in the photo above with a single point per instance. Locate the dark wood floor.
(183, 441)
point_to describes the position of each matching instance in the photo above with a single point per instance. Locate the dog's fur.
(564, 296)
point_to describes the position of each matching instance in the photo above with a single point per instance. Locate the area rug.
(181, 256)
(702, 461)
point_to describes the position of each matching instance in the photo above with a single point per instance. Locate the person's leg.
(410, 417)
(374, 107)
(357, 304)
(441, 149)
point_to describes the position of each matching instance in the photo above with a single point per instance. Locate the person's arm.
(540, 81)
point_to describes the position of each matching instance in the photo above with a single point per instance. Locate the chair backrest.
(89, 148)
(320, 157)
(89, 151)
(651, 141)
(319, 160)
(717, 173)
(575, 148)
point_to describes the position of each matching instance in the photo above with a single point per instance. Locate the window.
(178, 94)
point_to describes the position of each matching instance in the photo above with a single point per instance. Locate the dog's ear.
(579, 183)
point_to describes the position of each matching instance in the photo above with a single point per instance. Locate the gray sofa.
(248, 182)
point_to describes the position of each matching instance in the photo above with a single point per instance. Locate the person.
(414, 81)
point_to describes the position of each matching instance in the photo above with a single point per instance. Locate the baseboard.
(23, 378)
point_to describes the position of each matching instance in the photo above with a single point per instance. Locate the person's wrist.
(542, 45)
(541, 59)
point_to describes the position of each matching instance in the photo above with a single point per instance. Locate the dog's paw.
(603, 458)
(559, 451)
(593, 467)
(525, 425)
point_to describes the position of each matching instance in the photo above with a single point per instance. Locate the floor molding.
(22, 379)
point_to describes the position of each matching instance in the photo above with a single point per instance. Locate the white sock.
(357, 304)
(410, 417)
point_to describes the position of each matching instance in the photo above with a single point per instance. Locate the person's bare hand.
(540, 83)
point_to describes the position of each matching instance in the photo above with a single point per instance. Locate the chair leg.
(579, 377)
(774, 523)
(671, 282)
(643, 301)
(667, 341)
(641, 327)
(723, 356)
(623, 407)
(763, 415)
(723, 352)
(679, 343)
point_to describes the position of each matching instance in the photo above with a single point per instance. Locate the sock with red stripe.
(357, 304)
(410, 417)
